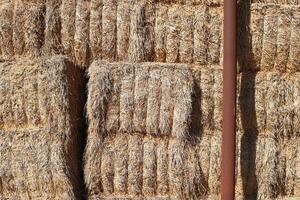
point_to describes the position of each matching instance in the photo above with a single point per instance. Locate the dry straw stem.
(136, 48)
(52, 44)
(160, 31)
(201, 35)
(34, 26)
(41, 129)
(123, 28)
(96, 28)
(81, 38)
(6, 32)
(18, 28)
(109, 29)
(186, 35)
(68, 16)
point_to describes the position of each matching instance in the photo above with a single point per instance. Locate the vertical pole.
(229, 101)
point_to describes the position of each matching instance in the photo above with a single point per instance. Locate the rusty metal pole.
(229, 101)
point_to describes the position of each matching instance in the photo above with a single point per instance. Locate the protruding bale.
(42, 128)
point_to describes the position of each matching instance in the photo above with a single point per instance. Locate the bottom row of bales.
(154, 132)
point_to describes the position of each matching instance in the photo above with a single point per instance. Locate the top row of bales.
(164, 31)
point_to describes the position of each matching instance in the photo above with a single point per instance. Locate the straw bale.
(294, 61)
(109, 29)
(260, 100)
(123, 28)
(173, 34)
(127, 98)
(160, 31)
(96, 28)
(136, 49)
(52, 22)
(43, 129)
(186, 34)
(34, 26)
(135, 164)
(81, 38)
(269, 37)
(201, 35)
(136, 160)
(215, 32)
(140, 98)
(68, 18)
(6, 31)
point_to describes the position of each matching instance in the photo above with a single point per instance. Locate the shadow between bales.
(247, 103)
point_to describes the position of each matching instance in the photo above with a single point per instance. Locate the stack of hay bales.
(154, 128)
(136, 31)
(40, 124)
(139, 143)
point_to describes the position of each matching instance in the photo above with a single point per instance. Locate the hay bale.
(6, 31)
(81, 38)
(201, 35)
(42, 130)
(133, 160)
(95, 39)
(150, 6)
(109, 29)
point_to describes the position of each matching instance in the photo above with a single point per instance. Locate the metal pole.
(229, 101)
